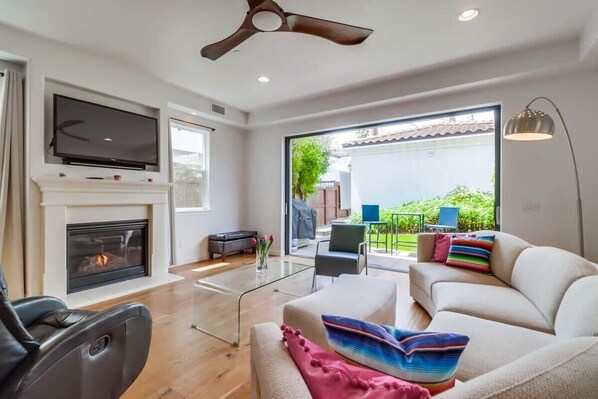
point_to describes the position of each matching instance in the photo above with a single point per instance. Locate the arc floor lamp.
(532, 125)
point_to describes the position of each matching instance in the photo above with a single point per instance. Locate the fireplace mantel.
(71, 200)
(77, 192)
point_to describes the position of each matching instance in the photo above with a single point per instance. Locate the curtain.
(12, 252)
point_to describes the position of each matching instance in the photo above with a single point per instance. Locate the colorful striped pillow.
(428, 359)
(471, 253)
(328, 375)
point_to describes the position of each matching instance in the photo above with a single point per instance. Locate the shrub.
(476, 210)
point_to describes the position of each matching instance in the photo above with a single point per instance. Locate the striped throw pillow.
(428, 359)
(471, 253)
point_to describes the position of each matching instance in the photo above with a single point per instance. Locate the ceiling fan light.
(267, 21)
(468, 15)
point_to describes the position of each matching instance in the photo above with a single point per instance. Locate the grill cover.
(305, 220)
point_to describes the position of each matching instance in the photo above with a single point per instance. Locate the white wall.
(49, 60)
(532, 171)
(227, 194)
(393, 174)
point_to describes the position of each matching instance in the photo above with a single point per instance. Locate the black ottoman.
(229, 243)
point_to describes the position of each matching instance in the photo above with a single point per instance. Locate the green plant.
(311, 159)
(476, 210)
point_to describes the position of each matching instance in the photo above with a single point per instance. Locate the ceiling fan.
(268, 16)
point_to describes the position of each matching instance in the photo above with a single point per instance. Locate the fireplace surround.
(67, 201)
(105, 253)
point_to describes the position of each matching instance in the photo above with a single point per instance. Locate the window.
(190, 163)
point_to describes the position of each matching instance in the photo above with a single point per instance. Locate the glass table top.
(244, 279)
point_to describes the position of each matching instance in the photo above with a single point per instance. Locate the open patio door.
(408, 166)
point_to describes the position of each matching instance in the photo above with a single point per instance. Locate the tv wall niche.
(57, 88)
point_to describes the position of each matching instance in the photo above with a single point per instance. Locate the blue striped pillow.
(425, 358)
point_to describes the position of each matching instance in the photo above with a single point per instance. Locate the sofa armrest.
(425, 246)
(273, 371)
(104, 353)
(31, 309)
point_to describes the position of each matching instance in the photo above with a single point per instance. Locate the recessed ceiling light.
(263, 79)
(193, 113)
(468, 15)
(107, 139)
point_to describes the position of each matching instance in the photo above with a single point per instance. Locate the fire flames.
(102, 260)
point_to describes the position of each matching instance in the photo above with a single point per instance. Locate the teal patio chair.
(448, 219)
(371, 218)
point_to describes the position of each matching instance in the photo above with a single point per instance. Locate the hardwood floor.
(185, 363)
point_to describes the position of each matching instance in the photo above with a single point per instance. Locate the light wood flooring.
(185, 363)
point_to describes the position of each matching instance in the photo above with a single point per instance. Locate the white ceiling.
(164, 37)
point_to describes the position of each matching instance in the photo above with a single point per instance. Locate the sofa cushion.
(543, 275)
(471, 253)
(361, 297)
(329, 263)
(505, 252)
(425, 275)
(501, 304)
(578, 312)
(491, 344)
(328, 375)
(563, 370)
(425, 358)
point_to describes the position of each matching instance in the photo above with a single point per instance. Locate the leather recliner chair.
(49, 351)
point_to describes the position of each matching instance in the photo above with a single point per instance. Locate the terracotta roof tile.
(426, 132)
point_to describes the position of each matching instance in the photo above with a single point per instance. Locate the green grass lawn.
(408, 241)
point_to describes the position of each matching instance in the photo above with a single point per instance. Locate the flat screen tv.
(92, 133)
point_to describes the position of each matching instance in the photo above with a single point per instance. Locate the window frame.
(206, 175)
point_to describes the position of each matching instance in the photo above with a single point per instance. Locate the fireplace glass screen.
(105, 253)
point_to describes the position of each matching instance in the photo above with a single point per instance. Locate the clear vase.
(261, 262)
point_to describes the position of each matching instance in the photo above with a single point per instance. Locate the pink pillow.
(329, 376)
(441, 247)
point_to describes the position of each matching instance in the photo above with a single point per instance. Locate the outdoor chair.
(448, 219)
(371, 218)
(346, 252)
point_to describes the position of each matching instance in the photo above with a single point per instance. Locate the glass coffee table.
(217, 298)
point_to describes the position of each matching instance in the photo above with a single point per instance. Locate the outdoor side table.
(394, 227)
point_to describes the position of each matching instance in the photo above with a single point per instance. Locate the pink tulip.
(253, 241)
(271, 238)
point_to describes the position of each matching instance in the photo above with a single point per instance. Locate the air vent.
(218, 109)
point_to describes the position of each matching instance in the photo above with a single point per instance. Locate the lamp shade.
(529, 125)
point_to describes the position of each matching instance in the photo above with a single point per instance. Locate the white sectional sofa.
(532, 323)
(535, 296)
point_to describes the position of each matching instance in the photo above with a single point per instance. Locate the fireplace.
(105, 253)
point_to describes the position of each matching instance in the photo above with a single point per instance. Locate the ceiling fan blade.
(216, 50)
(254, 3)
(335, 31)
